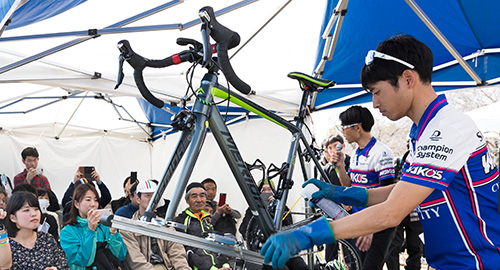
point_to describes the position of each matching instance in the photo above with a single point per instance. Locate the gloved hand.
(281, 246)
(354, 196)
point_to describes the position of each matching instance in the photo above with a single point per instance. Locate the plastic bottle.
(331, 209)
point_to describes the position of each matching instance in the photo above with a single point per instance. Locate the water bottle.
(331, 209)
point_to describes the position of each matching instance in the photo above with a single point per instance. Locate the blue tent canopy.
(470, 26)
(35, 11)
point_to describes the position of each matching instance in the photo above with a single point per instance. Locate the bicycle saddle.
(311, 82)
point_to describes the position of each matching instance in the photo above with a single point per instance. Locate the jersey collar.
(431, 111)
(367, 148)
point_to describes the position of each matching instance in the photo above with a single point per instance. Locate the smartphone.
(222, 199)
(133, 177)
(265, 197)
(87, 172)
(106, 211)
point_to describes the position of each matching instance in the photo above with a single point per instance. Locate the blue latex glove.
(280, 247)
(354, 196)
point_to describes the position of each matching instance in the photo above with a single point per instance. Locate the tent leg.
(330, 40)
(421, 14)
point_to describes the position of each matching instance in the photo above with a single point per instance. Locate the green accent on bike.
(323, 84)
(221, 94)
(200, 91)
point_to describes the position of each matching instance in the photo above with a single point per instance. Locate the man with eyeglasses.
(450, 176)
(371, 166)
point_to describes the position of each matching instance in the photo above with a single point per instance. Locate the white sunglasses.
(372, 54)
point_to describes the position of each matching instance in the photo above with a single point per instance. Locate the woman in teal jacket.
(83, 234)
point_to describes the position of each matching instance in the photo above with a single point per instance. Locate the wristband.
(111, 232)
(3, 236)
(4, 243)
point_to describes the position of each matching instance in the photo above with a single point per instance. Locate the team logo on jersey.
(436, 135)
(426, 172)
(359, 178)
(387, 172)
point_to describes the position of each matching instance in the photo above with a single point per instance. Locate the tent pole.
(67, 122)
(261, 28)
(330, 40)
(118, 25)
(421, 14)
(114, 105)
(80, 40)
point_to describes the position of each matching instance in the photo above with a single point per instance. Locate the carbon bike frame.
(205, 111)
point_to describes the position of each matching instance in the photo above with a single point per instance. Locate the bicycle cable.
(189, 80)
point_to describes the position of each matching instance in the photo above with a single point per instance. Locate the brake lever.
(121, 75)
(187, 41)
(205, 33)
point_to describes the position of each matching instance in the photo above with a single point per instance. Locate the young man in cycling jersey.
(371, 166)
(450, 176)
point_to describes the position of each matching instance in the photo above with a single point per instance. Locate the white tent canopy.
(88, 128)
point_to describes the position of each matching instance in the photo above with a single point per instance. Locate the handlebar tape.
(226, 39)
(139, 63)
(139, 81)
(226, 67)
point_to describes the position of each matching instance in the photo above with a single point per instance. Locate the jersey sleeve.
(440, 152)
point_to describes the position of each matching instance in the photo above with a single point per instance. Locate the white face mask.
(44, 204)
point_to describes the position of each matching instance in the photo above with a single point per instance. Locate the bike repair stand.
(160, 229)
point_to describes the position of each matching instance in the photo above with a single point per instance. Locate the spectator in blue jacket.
(88, 243)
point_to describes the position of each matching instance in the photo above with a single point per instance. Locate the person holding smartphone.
(223, 216)
(79, 178)
(31, 174)
(87, 242)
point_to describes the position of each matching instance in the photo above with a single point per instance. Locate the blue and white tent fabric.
(470, 27)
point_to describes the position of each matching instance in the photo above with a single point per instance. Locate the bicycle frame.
(206, 112)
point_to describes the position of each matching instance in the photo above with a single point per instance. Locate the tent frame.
(331, 40)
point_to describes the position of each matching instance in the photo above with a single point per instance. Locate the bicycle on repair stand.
(192, 123)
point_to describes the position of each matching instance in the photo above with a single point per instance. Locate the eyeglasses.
(348, 126)
(372, 54)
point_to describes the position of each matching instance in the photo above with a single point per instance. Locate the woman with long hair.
(87, 242)
(31, 249)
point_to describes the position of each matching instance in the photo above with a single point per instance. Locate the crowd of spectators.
(38, 232)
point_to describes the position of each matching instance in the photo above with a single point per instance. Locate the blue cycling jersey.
(460, 218)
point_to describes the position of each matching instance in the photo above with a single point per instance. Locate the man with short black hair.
(125, 200)
(30, 174)
(371, 166)
(145, 252)
(132, 207)
(223, 217)
(198, 222)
